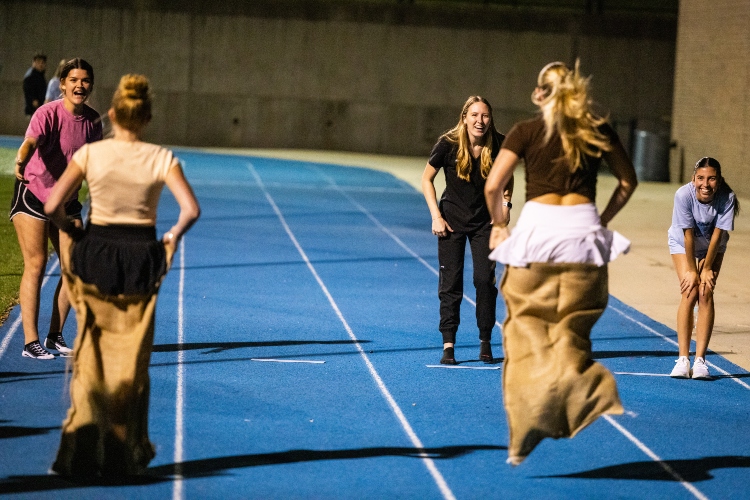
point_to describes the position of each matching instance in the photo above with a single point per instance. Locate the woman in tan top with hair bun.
(113, 270)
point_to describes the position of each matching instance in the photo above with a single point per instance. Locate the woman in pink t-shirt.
(56, 131)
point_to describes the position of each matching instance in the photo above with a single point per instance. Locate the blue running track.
(295, 357)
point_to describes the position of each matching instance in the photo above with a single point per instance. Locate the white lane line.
(288, 361)
(673, 342)
(387, 231)
(177, 486)
(639, 374)
(14, 327)
(453, 367)
(669, 470)
(428, 462)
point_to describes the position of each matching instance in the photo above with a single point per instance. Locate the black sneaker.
(34, 350)
(57, 342)
(448, 357)
(485, 352)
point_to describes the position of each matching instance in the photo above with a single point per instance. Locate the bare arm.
(23, 156)
(189, 208)
(622, 168)
(690, 279)
(67, 185)
(708, 276)
(439, 226)
(497, 189)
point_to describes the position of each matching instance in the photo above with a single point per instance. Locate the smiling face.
(706, 182)
(76, 87)
(477, 120)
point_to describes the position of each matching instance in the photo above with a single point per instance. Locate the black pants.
(451, 252)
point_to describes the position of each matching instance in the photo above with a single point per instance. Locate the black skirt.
(120, 260)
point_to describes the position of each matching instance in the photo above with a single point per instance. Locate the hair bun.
(134, 87)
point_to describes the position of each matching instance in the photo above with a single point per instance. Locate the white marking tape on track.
(388, 231)
(643, 374)
(6, 340)
(673, 342)
(288, 361)
(645, 449)
(428, 462)
(177, 486)
(453, 367)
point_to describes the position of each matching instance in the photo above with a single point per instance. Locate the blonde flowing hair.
(132, 102)
(460, 137)
(562, 95)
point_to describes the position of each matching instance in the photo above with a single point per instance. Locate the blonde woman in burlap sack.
(113, 270)
(555, 284)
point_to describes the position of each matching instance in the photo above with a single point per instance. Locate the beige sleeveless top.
(125, 180)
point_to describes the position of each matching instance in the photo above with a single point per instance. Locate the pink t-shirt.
(59, 133)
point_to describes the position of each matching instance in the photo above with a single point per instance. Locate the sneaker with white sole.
(34, 350)
(700, 370)
(681, 368)
(57, 342)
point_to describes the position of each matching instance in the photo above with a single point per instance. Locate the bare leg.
(685, 309)
(61, 303)
(706, 313)
(32, 238)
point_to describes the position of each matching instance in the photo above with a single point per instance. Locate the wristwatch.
(508, 204)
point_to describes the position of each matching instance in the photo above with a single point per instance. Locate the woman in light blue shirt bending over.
(704, 210)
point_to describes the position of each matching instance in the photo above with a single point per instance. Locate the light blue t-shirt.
(53, 90)
(688, 212)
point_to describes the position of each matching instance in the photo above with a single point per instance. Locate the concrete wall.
(711, 114)
(367, 77)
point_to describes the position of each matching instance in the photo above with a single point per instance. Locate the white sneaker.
(681, 368)
(700, 370)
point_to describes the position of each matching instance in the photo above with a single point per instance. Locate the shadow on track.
(217, 466)
(12, 431)
(226, 346)
(692, 470)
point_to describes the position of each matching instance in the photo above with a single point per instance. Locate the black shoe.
(57, 342)
(485, 351)
(448, 357)
(34, 350)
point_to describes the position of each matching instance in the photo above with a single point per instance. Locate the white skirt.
(570, 234)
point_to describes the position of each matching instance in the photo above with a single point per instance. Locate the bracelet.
(498, 226)
(507, 204)
(436, 218)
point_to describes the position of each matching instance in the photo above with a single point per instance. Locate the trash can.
(651, 156)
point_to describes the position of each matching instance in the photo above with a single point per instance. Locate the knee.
(485, 281)
(34, 265)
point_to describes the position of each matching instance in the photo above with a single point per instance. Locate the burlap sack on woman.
(551, 386)
(106, 429)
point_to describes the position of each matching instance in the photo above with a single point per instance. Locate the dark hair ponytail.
(707, 161)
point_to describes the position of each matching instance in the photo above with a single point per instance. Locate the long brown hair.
(563, 96)
(460, 137)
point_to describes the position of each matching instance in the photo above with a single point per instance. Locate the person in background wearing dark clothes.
(466, 153)
(34, 84)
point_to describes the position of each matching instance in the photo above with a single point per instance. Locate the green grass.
(11, 261)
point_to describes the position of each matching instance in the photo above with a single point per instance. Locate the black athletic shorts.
(25, 202)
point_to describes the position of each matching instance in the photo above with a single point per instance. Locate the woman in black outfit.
(466, 153)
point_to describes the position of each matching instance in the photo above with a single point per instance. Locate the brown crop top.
(546, 170)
